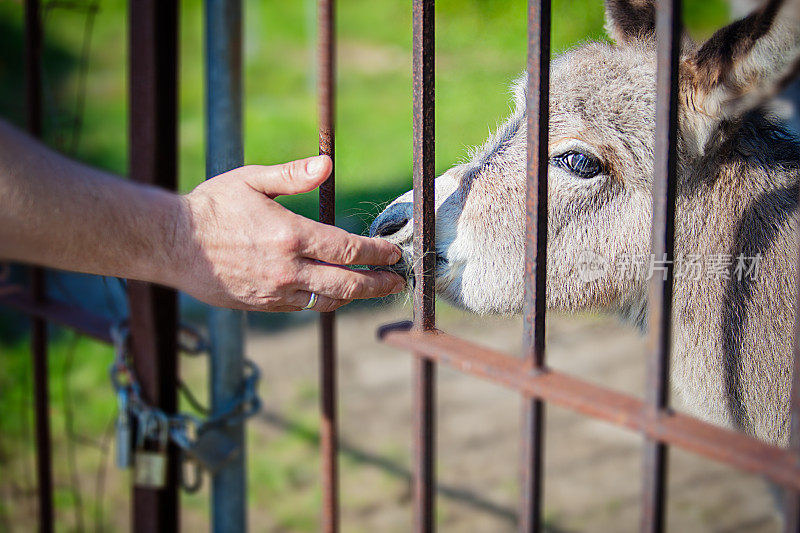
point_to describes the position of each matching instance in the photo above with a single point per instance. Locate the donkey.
(738, 171)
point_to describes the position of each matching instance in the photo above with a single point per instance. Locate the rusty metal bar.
(791, 504)
(659, 305)
(701, 438)
(153, 31)
(424, 79)
(329, 442)
(33, 67)
(538, 101)
(60, 313)
(44, 466)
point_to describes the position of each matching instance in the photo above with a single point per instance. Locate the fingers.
(295, 177)
(344, 284)
(334, 245)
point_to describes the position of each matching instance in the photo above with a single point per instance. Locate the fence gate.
(153, 321)
(154, 312)
(529, 375)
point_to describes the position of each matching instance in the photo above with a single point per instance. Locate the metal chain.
(155, 425)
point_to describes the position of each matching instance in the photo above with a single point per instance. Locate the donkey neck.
(747, 176)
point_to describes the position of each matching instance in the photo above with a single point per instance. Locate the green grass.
(81, 404)
(481, 48)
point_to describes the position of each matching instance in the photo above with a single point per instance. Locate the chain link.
(153, 424)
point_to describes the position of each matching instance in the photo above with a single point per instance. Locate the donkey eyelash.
(580, 164)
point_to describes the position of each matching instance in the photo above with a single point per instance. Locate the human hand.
(241, 249)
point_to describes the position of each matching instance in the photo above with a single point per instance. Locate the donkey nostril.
(392, 220)
(391, 228)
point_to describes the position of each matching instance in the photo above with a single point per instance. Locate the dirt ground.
(593, 470)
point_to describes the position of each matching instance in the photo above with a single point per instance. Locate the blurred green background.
(481, 48)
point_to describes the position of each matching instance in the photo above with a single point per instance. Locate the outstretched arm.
(227, 243)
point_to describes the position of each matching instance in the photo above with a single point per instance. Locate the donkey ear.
(745, 63)
(630, 20)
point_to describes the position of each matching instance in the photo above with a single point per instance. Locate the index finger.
(336, 246)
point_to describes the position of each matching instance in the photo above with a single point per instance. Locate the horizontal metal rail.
(60, 313)
(702, 438)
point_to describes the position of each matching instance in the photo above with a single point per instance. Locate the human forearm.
(62, 214)
(227, 243)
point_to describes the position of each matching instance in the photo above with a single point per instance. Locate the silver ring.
(311, 301)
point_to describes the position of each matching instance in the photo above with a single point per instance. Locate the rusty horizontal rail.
(702, 438)
(60, 313)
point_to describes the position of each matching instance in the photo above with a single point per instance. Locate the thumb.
(294, 177)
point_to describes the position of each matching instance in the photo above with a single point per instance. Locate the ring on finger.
(311, 301)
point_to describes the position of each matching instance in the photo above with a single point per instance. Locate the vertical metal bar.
(791, 504)
(329, 443)
(224, 151)
(44, 467)
(659, 309)
(791, 507)
(33, 67)
(424, 80)
(153, 31)
(538, 113)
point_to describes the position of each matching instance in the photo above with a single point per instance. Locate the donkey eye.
(580, 164)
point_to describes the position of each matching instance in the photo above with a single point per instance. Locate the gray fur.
(737, 193)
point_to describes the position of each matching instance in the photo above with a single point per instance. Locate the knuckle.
(289, 172)
(244, 173)
(284, 276)
(352, 289)
(286, 172)
(293, 243)
(289, 240)
(352, 251)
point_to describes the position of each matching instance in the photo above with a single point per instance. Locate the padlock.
(150, 467)
(212, 448)
(123, 430)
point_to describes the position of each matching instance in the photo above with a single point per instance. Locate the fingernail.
(398, 254)
(315, 165)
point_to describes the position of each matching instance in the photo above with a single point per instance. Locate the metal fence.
(154, 313)
(153, 317)
(653, 418)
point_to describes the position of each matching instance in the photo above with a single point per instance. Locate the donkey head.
(601, 149)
